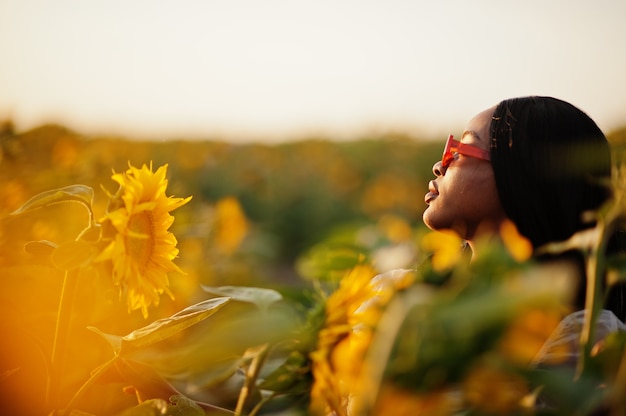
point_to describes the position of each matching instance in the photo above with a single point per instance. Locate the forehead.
(477, 130)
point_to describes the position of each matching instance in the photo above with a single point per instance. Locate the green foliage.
(177, 406)
(316, 209)
(78, 193)
(261, 297)
(163, 328)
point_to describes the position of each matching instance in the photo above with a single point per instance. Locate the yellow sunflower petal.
(446, 249)
(518, 246)
(141, 248)
(352, 313)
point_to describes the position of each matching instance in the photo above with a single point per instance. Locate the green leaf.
(261, 297)
(151, 407)
(166, 327)
(329, 262)
(162, 328)
(616, 267)
(91, 234)
(73, 193)
(184, 406)
(76, 413)
(178, 406)
(72, 254)
(40, 247)
(293, 376)
(145, 380)
(114, 340)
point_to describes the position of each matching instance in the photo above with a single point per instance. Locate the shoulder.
(562, 347)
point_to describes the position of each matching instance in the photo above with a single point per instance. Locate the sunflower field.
(201, 277)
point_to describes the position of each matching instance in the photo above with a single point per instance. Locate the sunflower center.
(140, 241)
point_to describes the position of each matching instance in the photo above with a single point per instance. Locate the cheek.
(481, 199)
(464, 202)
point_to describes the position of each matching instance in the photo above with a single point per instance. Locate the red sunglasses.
(454, 146)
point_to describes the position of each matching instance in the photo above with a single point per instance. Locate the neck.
(487, 234)
(478, 244)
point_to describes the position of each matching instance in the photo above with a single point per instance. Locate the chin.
(429, 221)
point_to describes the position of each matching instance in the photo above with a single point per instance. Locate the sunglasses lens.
(447, 157)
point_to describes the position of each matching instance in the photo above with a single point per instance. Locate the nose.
(439, 169)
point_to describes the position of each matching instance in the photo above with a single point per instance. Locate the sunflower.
(138, 243)
(352, 313)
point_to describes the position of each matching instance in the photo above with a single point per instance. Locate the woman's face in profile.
(463, 195)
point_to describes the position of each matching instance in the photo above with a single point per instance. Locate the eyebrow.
(471, 133)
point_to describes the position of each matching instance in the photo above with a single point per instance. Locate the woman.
(543, 164)
(537, 161)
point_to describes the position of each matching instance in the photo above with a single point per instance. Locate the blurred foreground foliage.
(277, 309)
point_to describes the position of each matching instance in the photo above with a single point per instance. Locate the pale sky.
(284, 69)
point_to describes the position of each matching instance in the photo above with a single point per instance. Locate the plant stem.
(97, 373)
(258, 357)
(593, 298)
(261, 403)
(61, 336)
(616, 398)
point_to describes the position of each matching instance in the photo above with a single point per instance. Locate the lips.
(433, 192)
(429, 197)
